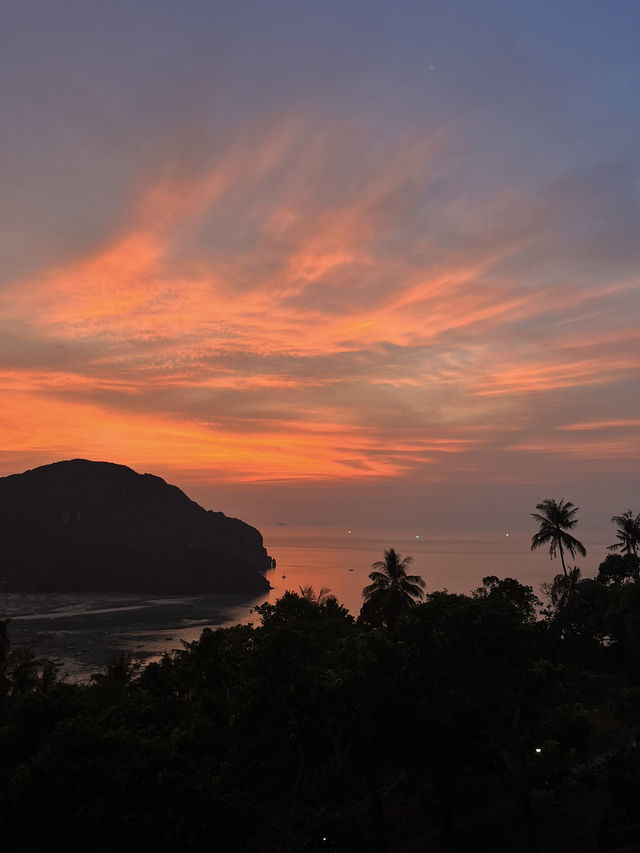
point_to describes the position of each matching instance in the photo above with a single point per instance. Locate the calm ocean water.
(83, 631)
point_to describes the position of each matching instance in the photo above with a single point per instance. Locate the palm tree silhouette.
(319, 598)
(555, 519)
(392, 590)
(628, 533)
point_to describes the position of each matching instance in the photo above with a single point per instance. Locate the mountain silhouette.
(96, 526)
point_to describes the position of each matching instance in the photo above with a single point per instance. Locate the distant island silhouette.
(79, 525)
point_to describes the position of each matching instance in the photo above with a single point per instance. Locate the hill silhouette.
(96, 526)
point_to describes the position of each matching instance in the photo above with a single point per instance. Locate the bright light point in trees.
(538, 749)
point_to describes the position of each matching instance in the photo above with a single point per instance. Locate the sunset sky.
(326, 261)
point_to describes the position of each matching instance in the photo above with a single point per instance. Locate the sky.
(327, 262)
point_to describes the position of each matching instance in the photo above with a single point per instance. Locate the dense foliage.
(491, 721)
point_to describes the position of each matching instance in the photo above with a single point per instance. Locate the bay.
(82, 631)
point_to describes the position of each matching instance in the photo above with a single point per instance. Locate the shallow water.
(84, 630)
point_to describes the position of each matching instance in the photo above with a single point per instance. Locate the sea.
(83, 631)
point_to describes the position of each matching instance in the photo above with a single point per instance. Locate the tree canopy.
(409, 728)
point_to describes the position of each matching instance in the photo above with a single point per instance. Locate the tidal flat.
(82, 631)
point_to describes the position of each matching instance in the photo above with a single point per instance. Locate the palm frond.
(573, 545)
(541, 518)
(373, 590)
(412, 591)
(380, 577)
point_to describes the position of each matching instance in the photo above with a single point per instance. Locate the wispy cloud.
(601, 425)
(334, 286)
(302, 347)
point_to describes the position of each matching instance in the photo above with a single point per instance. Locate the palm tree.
(118, 672)
(628, 533)
(392, 590)
(319, 598)
(555, 519)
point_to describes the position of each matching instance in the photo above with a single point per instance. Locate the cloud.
(599, 425)
(305, 293)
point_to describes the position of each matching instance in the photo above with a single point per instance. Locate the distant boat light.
(506, 534)
(348, 531)
(417, 536)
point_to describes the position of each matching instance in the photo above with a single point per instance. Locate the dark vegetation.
(95, 526)
(483, 722)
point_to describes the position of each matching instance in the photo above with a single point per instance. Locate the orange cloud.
(287, 452)
(622, 423)
(547, 376)
(598, 449)
(283, 312)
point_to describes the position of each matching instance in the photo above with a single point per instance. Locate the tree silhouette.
(521, 598)
(308, 593)
(4, 661)
(18, 667)
(616, 569)
(392, 590)
(118, 673)
(555, 520)
(628, 533)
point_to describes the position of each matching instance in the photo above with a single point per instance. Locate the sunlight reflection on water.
(310, 554)
(84, 630)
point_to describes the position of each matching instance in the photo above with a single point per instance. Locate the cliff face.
(80, 525)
